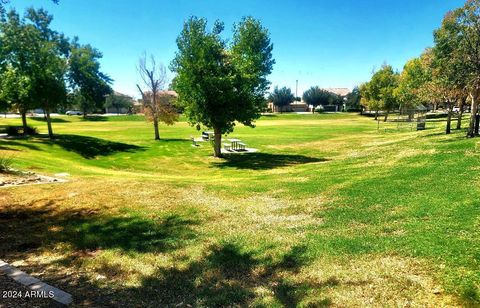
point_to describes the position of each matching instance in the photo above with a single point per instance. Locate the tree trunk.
(449, 120)
(471, 128)
(155, 127)
(376, 115)
(24, 121)
(217, 145)
(460, 113)
(49, 123)
(386, 116)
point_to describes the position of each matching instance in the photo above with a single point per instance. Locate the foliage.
(119, 101)
(378, 93)
(6, 163)
(352, 100)
(316, 96)
(157, 103)
(220, 84)
(86, 78)
(411, 80)
(12, 130)
(319, 109)
(165, 107)
(281, 97)
(457, 52)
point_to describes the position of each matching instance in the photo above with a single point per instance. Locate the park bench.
(241, 146)
(227, 146)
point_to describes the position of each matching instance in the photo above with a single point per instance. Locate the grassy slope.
(330, 211)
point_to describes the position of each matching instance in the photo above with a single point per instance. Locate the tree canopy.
(316, 96)
(281, 97)
(222, 83)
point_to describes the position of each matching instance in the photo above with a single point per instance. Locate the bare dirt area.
(15, 178)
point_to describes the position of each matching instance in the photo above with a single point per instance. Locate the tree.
(18, 43)
(352, 100)
(119, 101)
(50, 63)
(316, 96)
(457, 47)
(86, 77)
(411, 80)
(220, 84)
(158, 106)
(379, 92)
(281, 97)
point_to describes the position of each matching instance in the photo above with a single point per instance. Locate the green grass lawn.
(330, 211)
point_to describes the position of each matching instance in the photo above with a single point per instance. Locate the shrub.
(18, 130)
(319, 109)
(5, 163)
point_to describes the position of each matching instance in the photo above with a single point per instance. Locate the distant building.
(293, 107)
(339, 91)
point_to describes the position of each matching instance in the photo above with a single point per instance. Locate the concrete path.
(35, 284)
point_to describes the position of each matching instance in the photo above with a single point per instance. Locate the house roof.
(339, 91)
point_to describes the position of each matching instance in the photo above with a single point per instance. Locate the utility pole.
(296, 90)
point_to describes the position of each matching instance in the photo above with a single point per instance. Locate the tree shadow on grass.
(6, 144)
(53, 120)
(95, 118)
(227, 275)
(26, 227)
(91, 147)
(264, 161)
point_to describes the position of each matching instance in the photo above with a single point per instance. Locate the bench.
(241, 146)
(227, 146)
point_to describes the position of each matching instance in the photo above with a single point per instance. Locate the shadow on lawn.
(53, 120)
(224, 274)
(91, 147)
(5, 144)
(264, 161)
(85, 230)
(95, 118)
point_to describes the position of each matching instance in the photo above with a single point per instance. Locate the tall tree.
(352, 100)
(18, 42)
(281, 97)
(50, 62)
(457, 46)
(157, 104)
(119, 102)
(86, 77)
(219, 83)
(316, 96)
(379, 92)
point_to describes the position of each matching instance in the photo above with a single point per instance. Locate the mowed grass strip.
(329, 212)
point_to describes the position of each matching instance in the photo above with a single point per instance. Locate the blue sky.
(328, 43)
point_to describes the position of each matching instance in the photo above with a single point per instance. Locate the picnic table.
(235, 143)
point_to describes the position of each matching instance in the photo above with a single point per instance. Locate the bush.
(319, 109)
(18, 130)
(5, 163)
